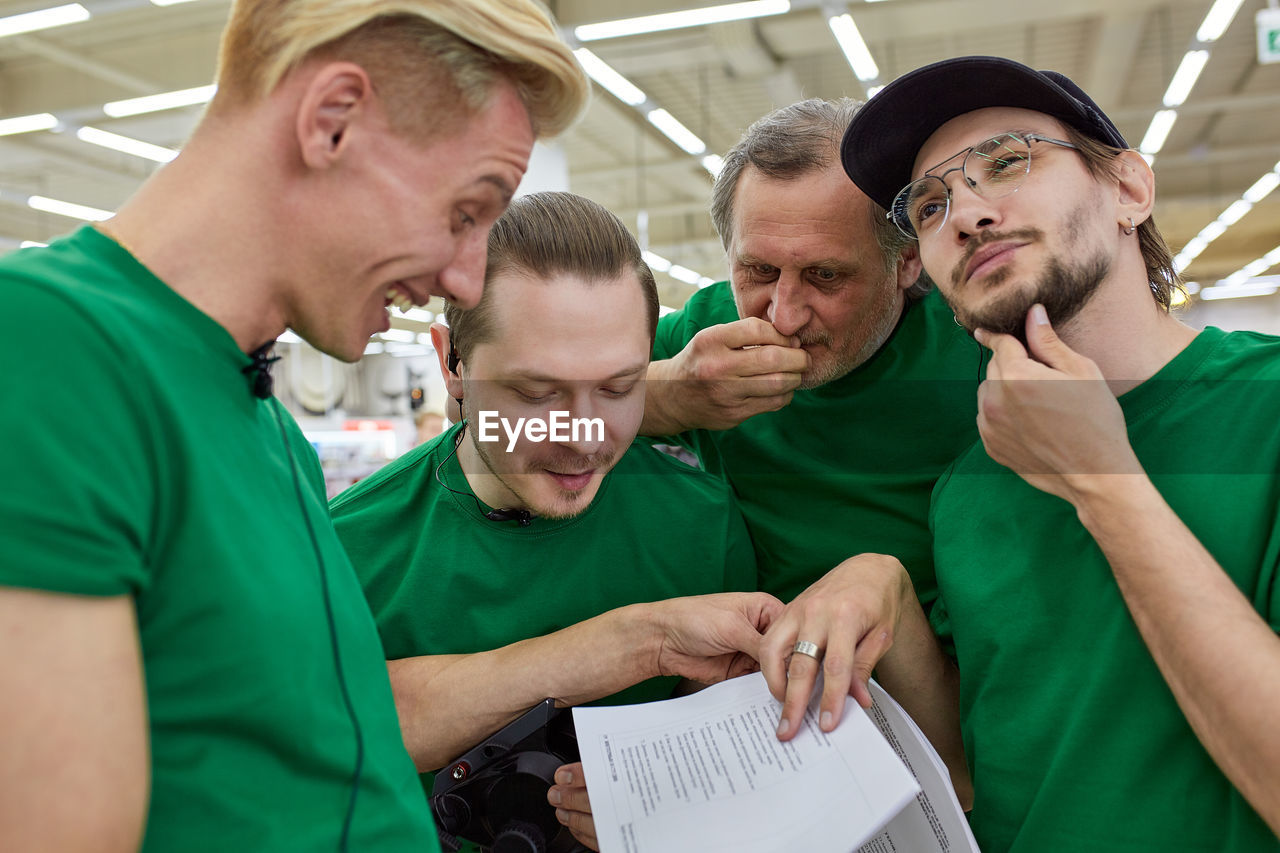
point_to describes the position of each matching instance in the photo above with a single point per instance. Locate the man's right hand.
(723, 376)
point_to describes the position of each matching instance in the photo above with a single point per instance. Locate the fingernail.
(824, 722)
(980, 335)
(554, 797)
(564, 777)
(1038, 315)
(784, 726)
(562, 816)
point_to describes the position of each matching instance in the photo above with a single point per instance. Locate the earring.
(1131, 227)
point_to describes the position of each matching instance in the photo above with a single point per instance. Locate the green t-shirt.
(846, 468)
(1073, 736)
(442, 579)
(136, 462)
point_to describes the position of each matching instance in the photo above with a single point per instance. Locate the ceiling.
(716, 79)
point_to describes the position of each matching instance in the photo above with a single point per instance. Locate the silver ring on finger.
(804, 647)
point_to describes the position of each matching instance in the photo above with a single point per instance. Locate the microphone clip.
(523, 516)
(259, 371)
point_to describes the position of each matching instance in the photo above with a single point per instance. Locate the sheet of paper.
(935, 821)
(706, 773)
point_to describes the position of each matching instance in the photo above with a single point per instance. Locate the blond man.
(187, 660)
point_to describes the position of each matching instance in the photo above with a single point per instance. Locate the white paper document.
(934, 822)
(706, 773)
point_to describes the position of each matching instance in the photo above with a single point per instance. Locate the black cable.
(333, 635)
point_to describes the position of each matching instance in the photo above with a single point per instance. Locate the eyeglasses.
(992, 169)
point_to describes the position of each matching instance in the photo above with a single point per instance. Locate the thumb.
(1043, 343)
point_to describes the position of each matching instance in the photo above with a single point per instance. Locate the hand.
(1050, 433)
(710, 638)
(851, 613)
(723, 376)
(573, 809)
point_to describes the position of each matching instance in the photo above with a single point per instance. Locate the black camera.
(495, 794)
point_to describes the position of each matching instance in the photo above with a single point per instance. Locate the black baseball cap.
(886, 134)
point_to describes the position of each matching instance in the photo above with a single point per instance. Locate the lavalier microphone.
(521, 515)
(259, 371)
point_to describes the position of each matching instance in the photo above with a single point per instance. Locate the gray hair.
(792, 142)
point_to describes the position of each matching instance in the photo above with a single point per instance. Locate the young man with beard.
(187, 662)
(503, 572)
(1108, 566)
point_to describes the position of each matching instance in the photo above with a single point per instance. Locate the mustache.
(568, 462)
(811, 338)
(985, 238)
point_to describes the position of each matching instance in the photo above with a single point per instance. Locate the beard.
(563, 504)
(1062, 289)
(858, 344)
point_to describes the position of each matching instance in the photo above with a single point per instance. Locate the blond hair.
(433, 62)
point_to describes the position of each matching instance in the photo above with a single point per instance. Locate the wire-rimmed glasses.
(992, 169)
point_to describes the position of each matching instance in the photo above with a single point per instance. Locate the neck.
(206, 226)
(480, 477)
(1124, 331)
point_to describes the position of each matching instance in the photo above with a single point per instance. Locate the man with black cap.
(1109, 569)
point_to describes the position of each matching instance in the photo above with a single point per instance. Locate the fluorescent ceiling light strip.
(1158, 131)
(680, 20)
(713, 163)
(1238, 289)
(656, 262)
(1184, 79)
(684, 274)
(855, 49)
(43, 19)
(169, 2)
(162, 101)
(1232, 214)
(675, 131)
(613, 82)
(1262, 187)
(31, 244)
(1212, 231)
(68, 209)
(126, 144)
(1194, 247)
(27, 124)
(706, 281)
(1215, 23)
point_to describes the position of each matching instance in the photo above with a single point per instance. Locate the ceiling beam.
(79, 62)
(1119, 34)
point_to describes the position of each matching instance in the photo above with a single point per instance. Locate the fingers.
(870, 650)
(1001, 346)
(573, 806)
(771, 609)
(802, 673)
(751, 332)
(775, 648)
(1046, 347)
(777, 368)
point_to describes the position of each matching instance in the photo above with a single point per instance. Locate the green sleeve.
(79, 501)
(710, 306)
